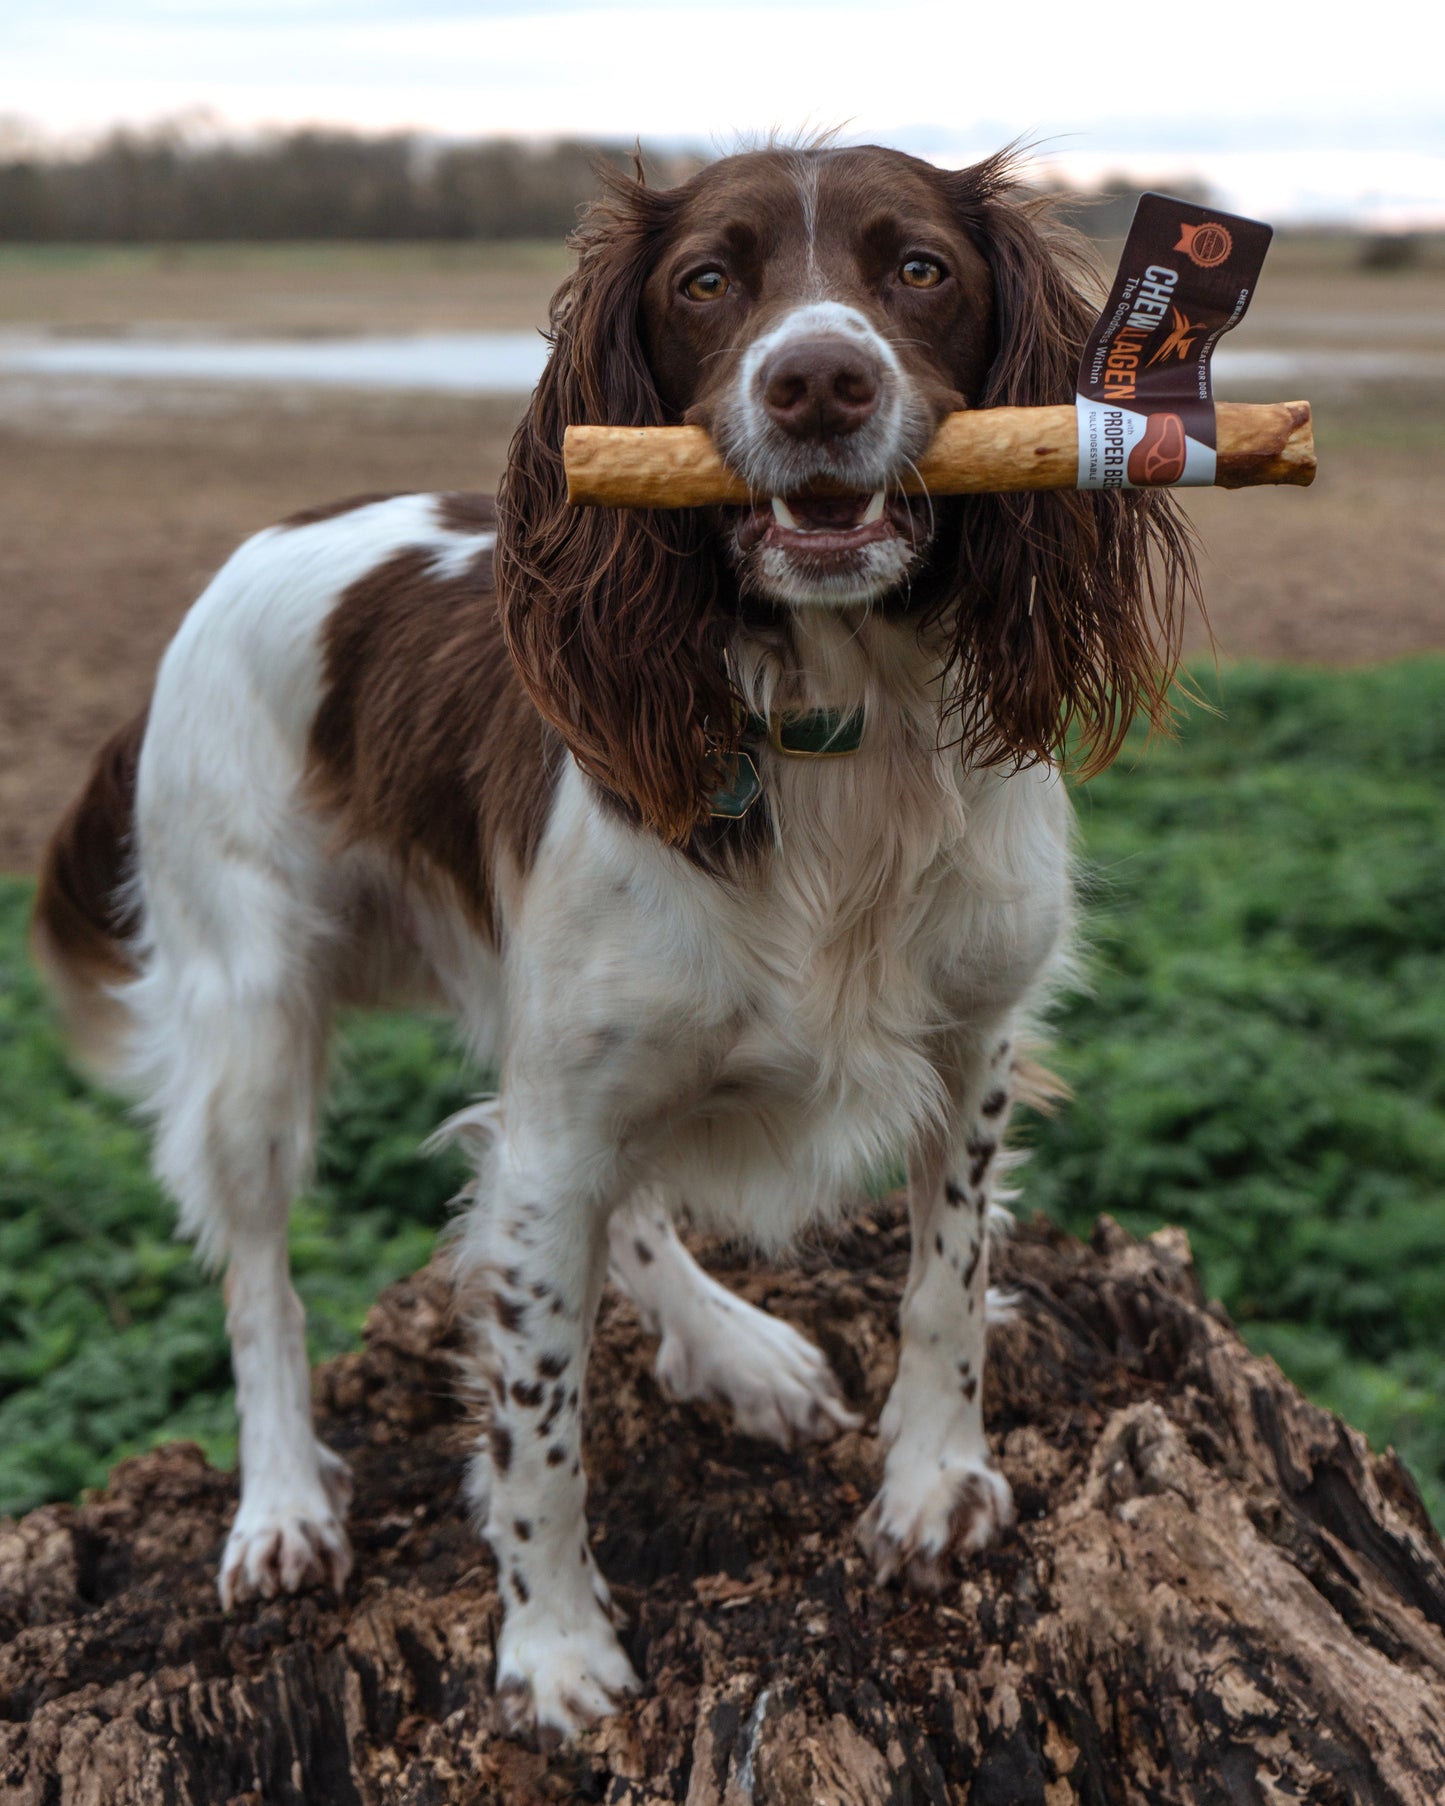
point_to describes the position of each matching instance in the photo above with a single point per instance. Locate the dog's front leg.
(530, 1267)
(716, 1346)
(941, 1492)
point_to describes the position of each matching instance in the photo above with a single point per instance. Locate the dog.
(735, 839)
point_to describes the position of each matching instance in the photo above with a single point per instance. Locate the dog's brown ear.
(610, 613)
(1072, 602)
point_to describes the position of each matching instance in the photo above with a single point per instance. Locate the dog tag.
(1145, 405)
(738, 795)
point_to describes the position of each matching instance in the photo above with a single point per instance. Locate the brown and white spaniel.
(558, 770)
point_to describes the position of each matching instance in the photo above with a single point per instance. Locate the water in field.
(507, 363)
(460, 363)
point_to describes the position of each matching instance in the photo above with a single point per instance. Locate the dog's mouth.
(828, 527)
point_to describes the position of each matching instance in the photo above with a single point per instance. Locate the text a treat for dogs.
(1144, 415)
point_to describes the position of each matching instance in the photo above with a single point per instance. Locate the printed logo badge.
(1180, 341)
(1207, 244)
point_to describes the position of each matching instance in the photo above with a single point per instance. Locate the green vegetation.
(111, 1336)
(1262, 1059)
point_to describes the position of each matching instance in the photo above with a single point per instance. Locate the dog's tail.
(86, 912)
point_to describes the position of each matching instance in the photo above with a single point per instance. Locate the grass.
(1261, 1058)
(111, 1337)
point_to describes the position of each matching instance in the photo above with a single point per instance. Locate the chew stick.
(975, 453)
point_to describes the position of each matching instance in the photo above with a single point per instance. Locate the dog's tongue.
(838, 511)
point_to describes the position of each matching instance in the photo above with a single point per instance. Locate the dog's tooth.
(874, 510)
(782, 513)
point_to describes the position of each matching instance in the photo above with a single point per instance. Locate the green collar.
(807, 734)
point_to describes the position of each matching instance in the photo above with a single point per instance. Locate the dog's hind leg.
(234, 1128)
(231, 1011)
(716, 1346)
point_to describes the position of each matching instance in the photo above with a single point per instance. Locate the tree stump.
(1215, 1592)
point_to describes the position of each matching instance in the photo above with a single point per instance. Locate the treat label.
(1145, 406)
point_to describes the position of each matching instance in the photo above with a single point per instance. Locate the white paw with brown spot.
(927, 1512)
(776, 1382)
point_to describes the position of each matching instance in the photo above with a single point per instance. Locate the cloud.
(939, 76)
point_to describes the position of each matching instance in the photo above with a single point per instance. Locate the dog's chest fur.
(788, 1047)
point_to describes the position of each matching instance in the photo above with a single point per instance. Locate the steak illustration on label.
(1159, 456)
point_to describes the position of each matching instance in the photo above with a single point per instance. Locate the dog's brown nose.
(821, 388)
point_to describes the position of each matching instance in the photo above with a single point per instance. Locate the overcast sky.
(1169, 81)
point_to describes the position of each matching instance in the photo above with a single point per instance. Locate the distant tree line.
(163, 185)
(173, 182)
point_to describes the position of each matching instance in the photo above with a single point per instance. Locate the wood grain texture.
(1215, 1594)
(987, 451)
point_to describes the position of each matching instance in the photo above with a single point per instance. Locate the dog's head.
(820, 312)
(820, 315)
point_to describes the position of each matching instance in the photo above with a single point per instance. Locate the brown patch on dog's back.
(466, 511)
(425, 744)
(311, 517)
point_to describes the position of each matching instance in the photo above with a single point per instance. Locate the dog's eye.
(706, 285)
(921, 272)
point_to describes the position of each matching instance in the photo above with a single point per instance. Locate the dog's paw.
(281, 1546)
(928, 1512)
(777, 1384)
(554, 1678)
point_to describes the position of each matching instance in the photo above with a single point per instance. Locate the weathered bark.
(1215, 1593)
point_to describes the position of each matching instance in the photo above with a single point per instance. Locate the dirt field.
(290, 291)
(118, 500)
